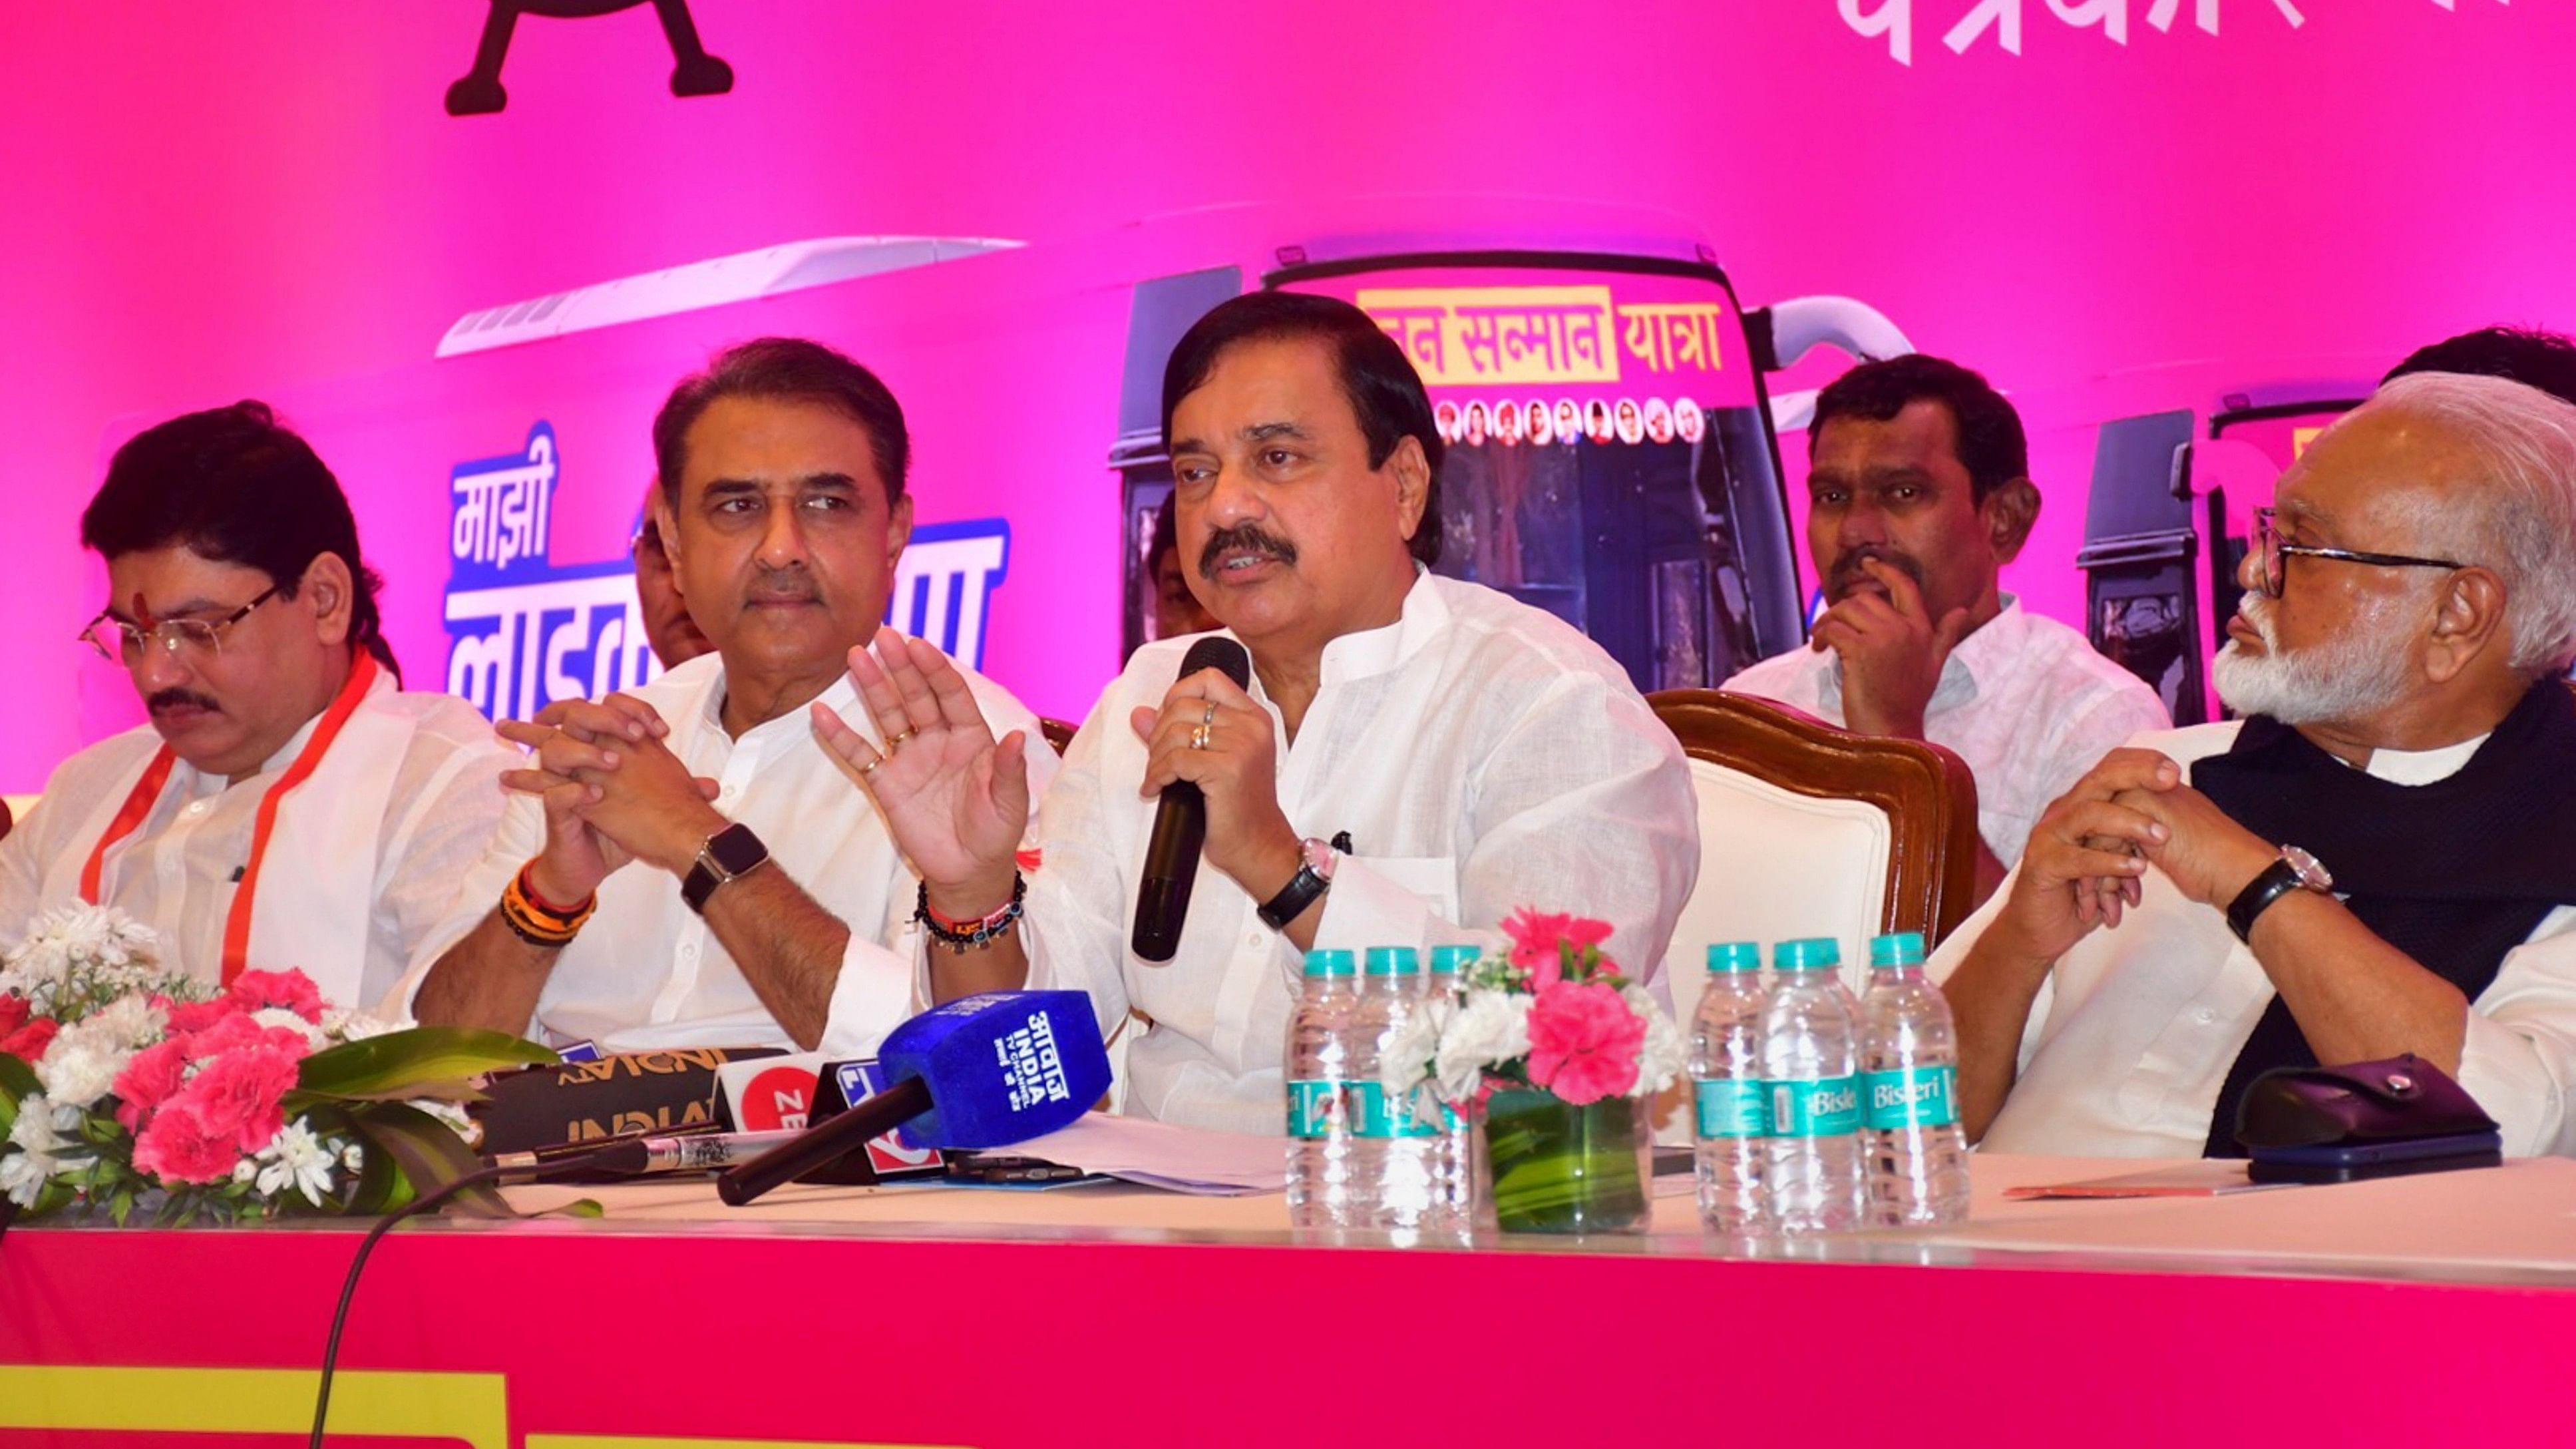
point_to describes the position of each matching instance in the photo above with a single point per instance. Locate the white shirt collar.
(2421, 767)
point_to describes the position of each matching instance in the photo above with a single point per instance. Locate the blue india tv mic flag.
(981, 1071)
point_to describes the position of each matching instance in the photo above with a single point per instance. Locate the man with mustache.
(290, 805)
(1918, 493)
(1413, 759)
(2380, 859)
(684, 865)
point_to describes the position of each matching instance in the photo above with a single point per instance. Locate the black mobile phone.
(1004, 1167)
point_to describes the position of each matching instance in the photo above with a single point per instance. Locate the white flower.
(81, 1064)
(1492, 1029)
(347, 1024)
(131, 1021)
(43, 1150)
(245, 1170)
(1406, 1057)
(296, 1158)
(75, 959)
(314, 1040)
(1666, 1053)
(353, 1157)
(455, 1116)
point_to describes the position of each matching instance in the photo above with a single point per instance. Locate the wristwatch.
(1314, 877)
(2295, 870)
(730, 852)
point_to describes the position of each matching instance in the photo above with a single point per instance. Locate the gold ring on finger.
(1199, 737)
(897, 741)
(870, 767)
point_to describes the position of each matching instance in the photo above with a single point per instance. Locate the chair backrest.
(1809, 830)
(1059, 735)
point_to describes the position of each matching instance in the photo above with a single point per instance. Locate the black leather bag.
(2367, 1119)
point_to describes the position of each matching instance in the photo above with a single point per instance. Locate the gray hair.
(2522, 443)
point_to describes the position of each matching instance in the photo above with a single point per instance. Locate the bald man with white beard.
(2379, 860)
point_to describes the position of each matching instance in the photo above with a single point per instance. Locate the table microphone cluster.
(981, 1071)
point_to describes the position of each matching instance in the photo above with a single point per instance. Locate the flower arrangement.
(1549, 1047)
(123, 1084)
(1554, 1014)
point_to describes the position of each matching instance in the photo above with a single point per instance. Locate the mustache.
(179, 699)
(783, 586)
(2255, 609)
(1847, 572)
(1243, 536)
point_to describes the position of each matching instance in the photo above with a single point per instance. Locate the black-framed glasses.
(119, 642)
(2274, 554)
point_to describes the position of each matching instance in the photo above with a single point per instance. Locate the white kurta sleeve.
(1583, 804)
(520, 834)
(2519, 1056)
(1071, 927)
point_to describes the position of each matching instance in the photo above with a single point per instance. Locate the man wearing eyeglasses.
(289, 805)
(2380, 859)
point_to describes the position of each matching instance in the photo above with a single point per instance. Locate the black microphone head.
(1219, 653)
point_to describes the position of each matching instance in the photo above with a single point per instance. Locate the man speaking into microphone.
(1409, 759)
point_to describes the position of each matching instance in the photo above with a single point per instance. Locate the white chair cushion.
(1774, 865)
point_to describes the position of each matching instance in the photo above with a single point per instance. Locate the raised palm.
(955, 799)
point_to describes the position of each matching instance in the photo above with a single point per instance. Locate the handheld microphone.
(981, 1071)
(1180, 826)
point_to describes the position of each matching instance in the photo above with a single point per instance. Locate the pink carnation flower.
(238, 1032)
(237, 1095)
(1535, 945)
(149, 1080)
(29, 1042)
(1584, 1042)
(182, 1147)
(259, 990)
(190, 1017)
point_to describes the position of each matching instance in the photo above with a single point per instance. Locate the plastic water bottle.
(1323, 1175)
(1918, 1153)
(1456, 1183)
(1810, 1066)
(1731, 1108)
(1398, 1141)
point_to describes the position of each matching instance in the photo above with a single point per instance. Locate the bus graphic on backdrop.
(524, 631)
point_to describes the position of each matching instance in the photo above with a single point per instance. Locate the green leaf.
(398, 1063)
(17, 1083)
(428, 1152)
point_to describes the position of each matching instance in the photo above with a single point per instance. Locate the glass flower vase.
(1553, 1167)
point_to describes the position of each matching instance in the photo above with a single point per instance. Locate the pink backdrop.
(217, 201)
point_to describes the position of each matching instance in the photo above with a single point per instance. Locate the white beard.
(2350, 678)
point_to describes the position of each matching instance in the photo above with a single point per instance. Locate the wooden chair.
(1809, 830)
(1059, 735)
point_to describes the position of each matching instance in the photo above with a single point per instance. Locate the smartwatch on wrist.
(1314, 877)
(2295, 870)
(730, 852)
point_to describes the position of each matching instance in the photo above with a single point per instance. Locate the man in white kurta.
(1479, 754)
(241, 609)
(1918, 493)
(722, 881)
(1411, 759)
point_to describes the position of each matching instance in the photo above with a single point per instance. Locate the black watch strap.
(1293, 898)
(730, 852)
(2277, 880)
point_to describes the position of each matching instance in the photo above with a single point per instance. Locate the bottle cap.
(1814, 953)
(1904, 948)
(1393, 961)
(1454, 959)
(1726, 957)
(1331, 963)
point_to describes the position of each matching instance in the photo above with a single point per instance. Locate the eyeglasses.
(2275, 554)
(122, 643)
